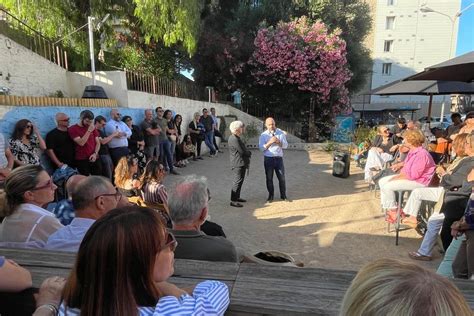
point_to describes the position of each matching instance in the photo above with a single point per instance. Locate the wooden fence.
(12, 100)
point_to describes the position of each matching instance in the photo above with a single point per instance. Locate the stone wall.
(27, 74)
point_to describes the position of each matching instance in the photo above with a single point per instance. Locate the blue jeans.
(275, 164)
(209, 140)
(166, 156)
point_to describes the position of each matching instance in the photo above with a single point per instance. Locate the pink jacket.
(419, 166)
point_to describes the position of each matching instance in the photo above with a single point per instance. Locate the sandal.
(391, 216)
(415, 255)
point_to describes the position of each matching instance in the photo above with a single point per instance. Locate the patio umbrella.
(424, 87)
(460, 68)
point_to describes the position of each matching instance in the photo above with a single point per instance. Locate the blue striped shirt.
(210, 298)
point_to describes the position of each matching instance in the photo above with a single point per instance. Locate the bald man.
(271, 143)
(118, 146)
(59, 146)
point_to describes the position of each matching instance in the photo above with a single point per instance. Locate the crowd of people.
(434, 166)
(95, 145)
(125, 225)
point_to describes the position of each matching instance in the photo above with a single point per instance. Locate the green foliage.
(331, 146)
(57, 94)
(159, 35)
(364, 133)
(251, 131)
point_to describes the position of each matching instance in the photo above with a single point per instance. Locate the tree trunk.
(312, 132)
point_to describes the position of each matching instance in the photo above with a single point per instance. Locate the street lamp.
(426, 9)
(90, 25)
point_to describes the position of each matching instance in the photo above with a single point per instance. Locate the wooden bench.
(254, 289)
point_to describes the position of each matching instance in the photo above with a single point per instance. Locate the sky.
(465, 41)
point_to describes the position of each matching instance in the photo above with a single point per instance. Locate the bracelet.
(51, 307)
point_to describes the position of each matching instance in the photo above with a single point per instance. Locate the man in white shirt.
(272, 142)
(118, 146)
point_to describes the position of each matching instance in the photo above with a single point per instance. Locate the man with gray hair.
(239, 161)
(59, 146)
(188, 205)
(92, 198)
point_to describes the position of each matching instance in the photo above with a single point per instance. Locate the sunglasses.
(64, 120)
(29, 126)
(49, 184)
(170, 242)
(117, 195)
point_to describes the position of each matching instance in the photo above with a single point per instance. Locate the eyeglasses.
(385, 130)
(49, 184)
(29, 126)
(170, 242)
(64, 120)
(117, 195)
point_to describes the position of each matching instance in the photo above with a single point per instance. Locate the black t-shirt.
(62, 145)
(104, 149)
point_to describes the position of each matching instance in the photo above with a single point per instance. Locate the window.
(387, 46)
(389, 23)
(386, 69)
(390, 2)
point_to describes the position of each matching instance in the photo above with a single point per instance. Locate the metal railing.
(164, 86)
(23, 34)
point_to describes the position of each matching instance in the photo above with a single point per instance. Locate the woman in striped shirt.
(122, 266)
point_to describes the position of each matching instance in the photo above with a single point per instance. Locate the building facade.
(406, 41)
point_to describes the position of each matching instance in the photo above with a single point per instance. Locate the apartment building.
(405, 41)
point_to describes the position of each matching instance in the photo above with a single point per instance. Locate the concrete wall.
(27, 74)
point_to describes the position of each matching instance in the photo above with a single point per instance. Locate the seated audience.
(13, 278)
(6, 159)
(152, 190)
(60, 147)
(463, 264)
(136, 142)
(87, 145)
(188, 204)
(451, 178)
(26, 223)
(130, 278)
(453, 204)
(26, 143)
(92, 198)
(63, 209)
(392, 287)
(126, 176)
(189, 149)
(383, 149)
(399, 129)
(468, 125)
(417, 171)
(196, 130)
(455, 127)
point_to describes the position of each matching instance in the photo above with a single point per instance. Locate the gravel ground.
(329, 223)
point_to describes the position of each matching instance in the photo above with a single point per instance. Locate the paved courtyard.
(330, 223)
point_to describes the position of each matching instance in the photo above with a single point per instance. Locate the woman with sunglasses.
(122, 268)
(383, 149)
(126, 176)
(26, 223)
(26, 143)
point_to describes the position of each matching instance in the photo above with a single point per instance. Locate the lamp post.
(90, 25)
(425, 9)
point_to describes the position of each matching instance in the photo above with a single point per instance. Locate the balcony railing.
(164, 86)
(24, 35)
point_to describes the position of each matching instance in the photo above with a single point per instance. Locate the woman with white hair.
(239, 161)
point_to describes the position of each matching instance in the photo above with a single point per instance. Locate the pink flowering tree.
(308, 58)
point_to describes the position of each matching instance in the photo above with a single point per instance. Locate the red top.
(85, 151)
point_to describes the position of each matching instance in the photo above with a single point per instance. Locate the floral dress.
(29, 154)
